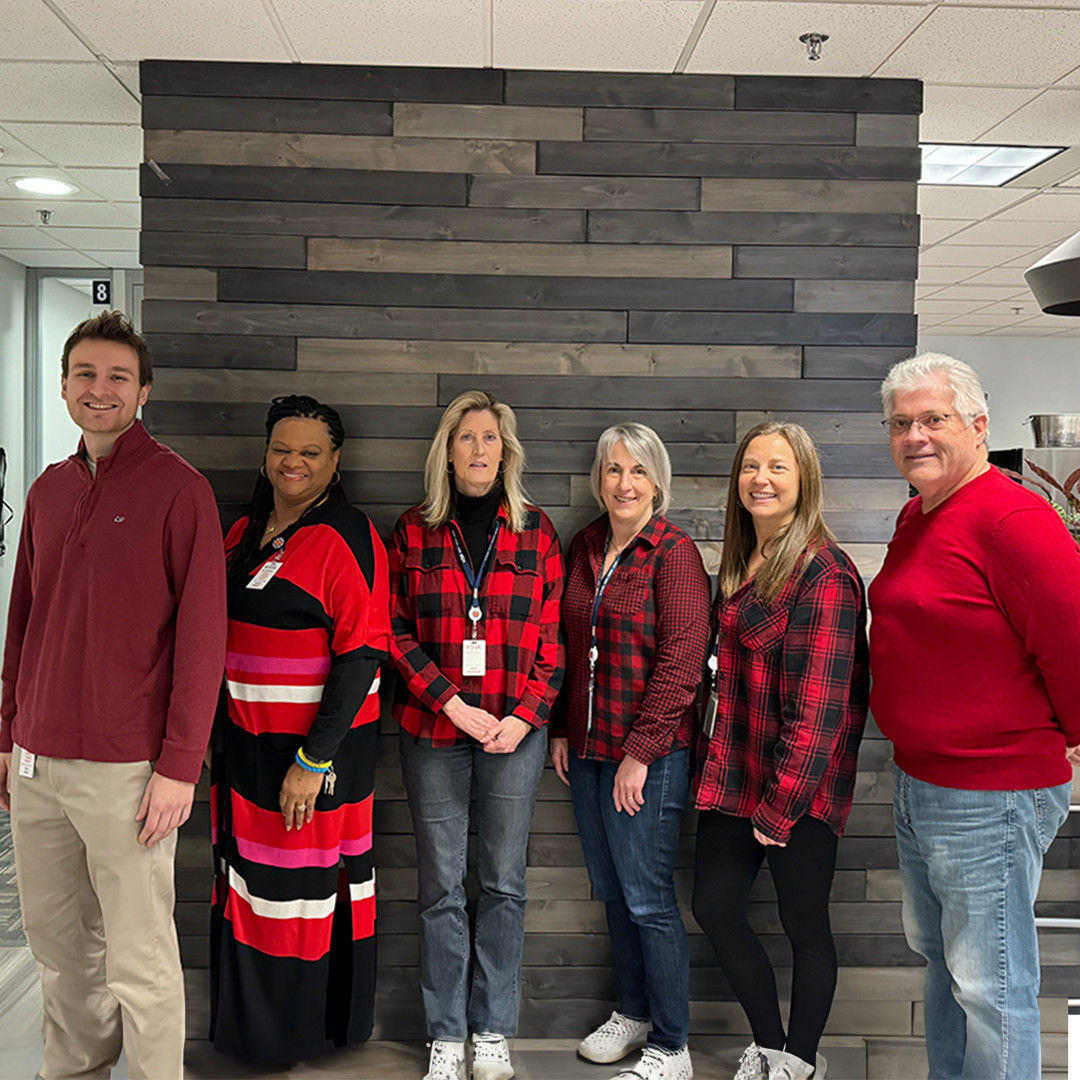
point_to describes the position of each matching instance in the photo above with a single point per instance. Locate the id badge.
(26, 764)
(709, 723)
(264, 574)
(474, 657)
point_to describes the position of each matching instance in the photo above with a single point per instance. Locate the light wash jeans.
(631, 864)
(438, 781)
(970, 863)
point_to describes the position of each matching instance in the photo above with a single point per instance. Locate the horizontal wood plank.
(883, 296)
(884, 130)
(296, 149)
(299, 184)
(823, 427)
(179, 283)
(486, 121)
(850, 526)
(587, 192)
(550, 358)
(220, 249)
(555, 260)
(180, 384)
(768, 329)
(315, 116)
(487, 291)
(859, 362)
(619, 89)
(276, 352)
(698, 126)
(762, 195)
(329, 320)
(860, 95)
(673, 227)
(836, 263)
(697, 159)
(247, 452)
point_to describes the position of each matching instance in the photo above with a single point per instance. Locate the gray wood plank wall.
(697, 252)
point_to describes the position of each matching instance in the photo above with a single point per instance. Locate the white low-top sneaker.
(491, 1057)
(614, 1039)
(780, 1065)
(447, 1061)
(751, 1064)
(657, 1064)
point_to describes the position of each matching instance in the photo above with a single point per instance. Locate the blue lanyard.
(475, 579)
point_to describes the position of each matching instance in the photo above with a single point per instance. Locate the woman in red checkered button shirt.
(787, 678)
(476, 578)
(636, 611)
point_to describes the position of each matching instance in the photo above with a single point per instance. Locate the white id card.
(709, 724)
(26, 764)
(474, 656)
(264, 574)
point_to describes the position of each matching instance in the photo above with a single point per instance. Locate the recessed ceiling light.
(43, 185)
(979, 165)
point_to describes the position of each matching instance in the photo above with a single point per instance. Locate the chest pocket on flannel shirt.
(628, 593)
(429, 572)
(515, 589)
(761, 627)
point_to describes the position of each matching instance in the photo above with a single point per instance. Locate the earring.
(336, 478)
(262, 472)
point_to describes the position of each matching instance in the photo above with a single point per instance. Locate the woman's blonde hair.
(646, 448)
(785, 549)
(439, 490)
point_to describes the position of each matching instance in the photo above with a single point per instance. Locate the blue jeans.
(631, 863)
(438, 781)
(970, 863)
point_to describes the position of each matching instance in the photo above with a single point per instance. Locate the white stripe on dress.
(292, 694)
(281, 909)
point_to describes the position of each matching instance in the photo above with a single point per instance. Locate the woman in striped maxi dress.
(293, 919)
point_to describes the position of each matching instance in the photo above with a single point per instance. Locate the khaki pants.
(98, 912)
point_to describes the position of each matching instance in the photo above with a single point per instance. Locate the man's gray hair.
(929, 368)
(645, 447)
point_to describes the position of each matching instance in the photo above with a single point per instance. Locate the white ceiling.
(1005, 71)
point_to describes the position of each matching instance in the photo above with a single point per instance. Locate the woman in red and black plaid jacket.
(635, 611)
(788, 682)
(476, 577)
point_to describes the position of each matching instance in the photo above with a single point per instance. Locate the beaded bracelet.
(312, 766)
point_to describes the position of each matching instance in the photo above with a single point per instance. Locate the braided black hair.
(287, 407)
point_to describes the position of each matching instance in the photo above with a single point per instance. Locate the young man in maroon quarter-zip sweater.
(113, 660)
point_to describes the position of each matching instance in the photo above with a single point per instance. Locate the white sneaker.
(657, 1064)
(780, 1065)
(491, 1057)
(614, 1039)
(751, 1064)
(447, 1061)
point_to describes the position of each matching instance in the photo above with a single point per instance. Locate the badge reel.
(710, 709)
(474, 649)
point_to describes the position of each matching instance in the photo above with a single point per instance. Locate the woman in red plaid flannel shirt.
(636, 612)
(476, 578)
(788, 682)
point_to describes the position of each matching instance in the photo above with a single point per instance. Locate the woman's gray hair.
(929, 368)
(645, 447)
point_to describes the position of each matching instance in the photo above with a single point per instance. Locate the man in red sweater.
(973, 651)
(113, 661)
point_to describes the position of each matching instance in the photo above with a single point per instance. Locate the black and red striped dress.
(293, 918)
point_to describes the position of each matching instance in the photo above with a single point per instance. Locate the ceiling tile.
(1022, 330)
(59, 258)
(66, 212)
(432, 32)
(946, 307)
(35, 91)
(1055, 205)
(15, 152)
(131, 210)
(1012, 276)
(762, 37)
(105, 239)
(27, 236)
(957, 201)
(962, 255)
(591, 35)
(962, 113)
(83, 144)
(115, 184)
(941, 275)
(32, 30)
(933, 230)
(964, 45)
(117, 260)
(995, 231)
(971, 293)
(1027, 258)
(193, 30)
(1053, 119)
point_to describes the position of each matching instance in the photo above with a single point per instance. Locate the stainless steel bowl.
(1055, 429)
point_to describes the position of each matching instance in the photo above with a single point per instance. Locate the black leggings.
(726, 862)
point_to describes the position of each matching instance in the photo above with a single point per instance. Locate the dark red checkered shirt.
(519, 598)
(652, 629)
(793, 683)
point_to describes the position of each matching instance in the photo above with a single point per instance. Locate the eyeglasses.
(901, 425)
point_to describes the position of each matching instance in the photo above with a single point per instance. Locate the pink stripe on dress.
(296, 858)
(278, 665)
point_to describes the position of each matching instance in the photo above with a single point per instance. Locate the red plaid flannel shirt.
(519, 597)
(792, 696)
(651, 630)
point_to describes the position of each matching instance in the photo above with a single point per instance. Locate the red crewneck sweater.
(116, 631)
(975, 640)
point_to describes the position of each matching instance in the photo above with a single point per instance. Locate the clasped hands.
(495, 735)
